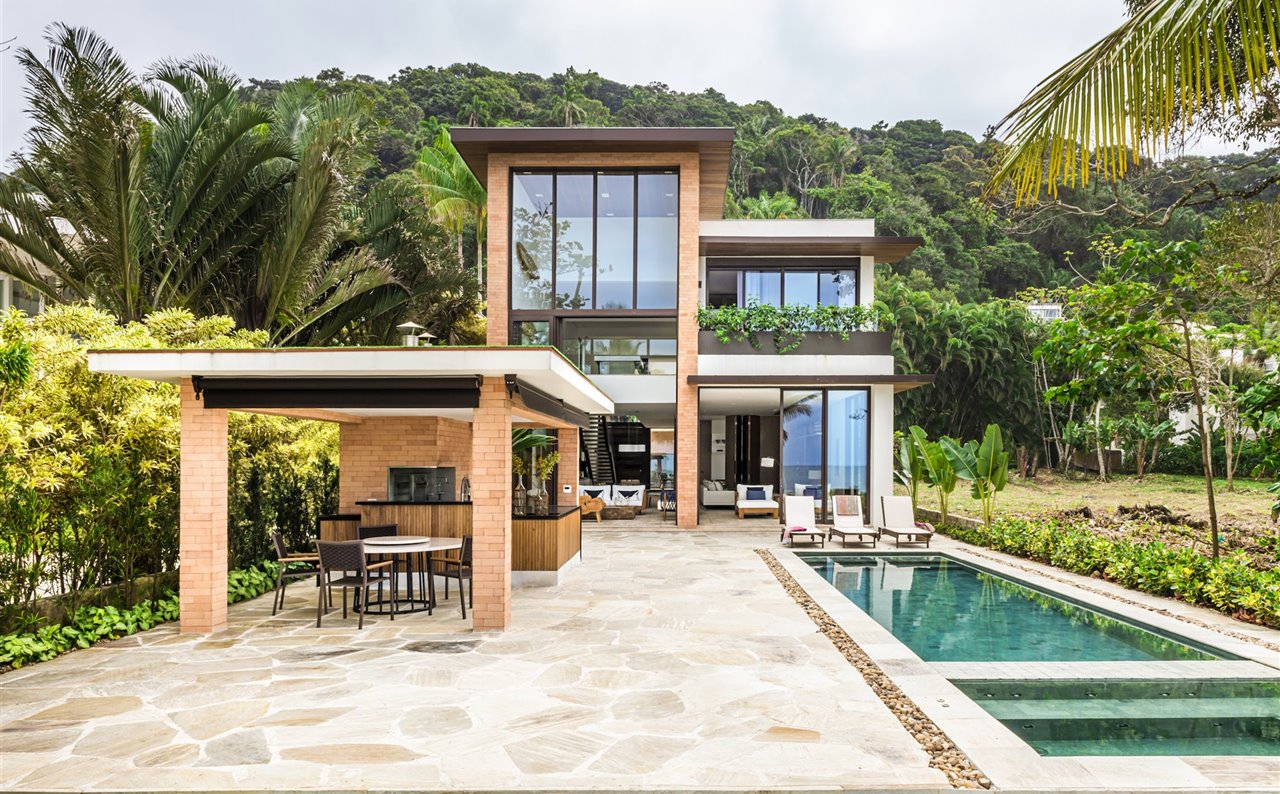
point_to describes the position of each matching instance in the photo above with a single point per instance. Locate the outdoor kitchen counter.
(546, 542)
(539, 543)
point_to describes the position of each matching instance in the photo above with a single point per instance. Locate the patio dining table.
(409, 546)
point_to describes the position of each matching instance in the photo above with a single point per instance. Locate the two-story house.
(605, 242)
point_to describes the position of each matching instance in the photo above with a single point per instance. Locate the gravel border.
(1099, 591)
(943, 753)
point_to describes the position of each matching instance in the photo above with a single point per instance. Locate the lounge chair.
(899, 520)
(847, 521)
(800, 522)
(591, 505)
(748, 506)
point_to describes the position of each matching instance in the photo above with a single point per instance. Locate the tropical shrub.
(1229, 584)
(89, 465)
(985, 466)
(936, 468)
(92, 624)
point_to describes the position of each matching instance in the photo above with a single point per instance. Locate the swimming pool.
(949, 611)
(1136, 717)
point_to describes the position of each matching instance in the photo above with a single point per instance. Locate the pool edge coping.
(1008, 761)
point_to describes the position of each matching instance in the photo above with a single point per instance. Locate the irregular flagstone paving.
(665, 660)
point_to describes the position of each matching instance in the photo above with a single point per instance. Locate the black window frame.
(554, 314)
(783, 265)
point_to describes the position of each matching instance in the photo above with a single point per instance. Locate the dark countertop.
(381, 502)
(554, 511)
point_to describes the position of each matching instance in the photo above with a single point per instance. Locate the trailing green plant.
(788, 323)
(91, 624)
(985, 465)
(1229, 584)
(937, 469)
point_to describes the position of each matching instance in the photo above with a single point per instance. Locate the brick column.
(687, 349)
(496, 245)
(567, 471)
(491, 507)
(202, 573)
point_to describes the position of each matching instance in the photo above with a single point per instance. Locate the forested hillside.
(913, 176)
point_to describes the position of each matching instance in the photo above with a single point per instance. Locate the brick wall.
(491, 510)
(368, 448)
(567, 470)
(202, 490)
(498, 242)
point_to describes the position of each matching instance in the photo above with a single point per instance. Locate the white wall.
(881, 447)
(769, 363)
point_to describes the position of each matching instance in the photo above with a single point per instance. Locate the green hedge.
(93, 624)
(1230, 584)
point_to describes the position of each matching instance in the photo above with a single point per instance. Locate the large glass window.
(537, 332)
(616, 235)
(532, 213)
(848, 444)
(620, 347)
(658, 241)
(575, 241)
(775, 282)
(579, 239)
(802, 444)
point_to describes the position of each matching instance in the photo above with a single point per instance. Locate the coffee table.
(619, 512)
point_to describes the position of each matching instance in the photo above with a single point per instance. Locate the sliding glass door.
(826, 445)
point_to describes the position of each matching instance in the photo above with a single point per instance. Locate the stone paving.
(665, 660)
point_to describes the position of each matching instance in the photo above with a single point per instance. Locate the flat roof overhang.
(376, 381)
(714, 146)
(885, 249)
(900, 383)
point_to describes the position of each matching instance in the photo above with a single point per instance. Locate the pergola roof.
(544, 369)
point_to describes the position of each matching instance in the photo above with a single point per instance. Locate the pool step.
(1132, 709)
(1169, 736)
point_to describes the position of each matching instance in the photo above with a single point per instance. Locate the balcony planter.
(814, 343)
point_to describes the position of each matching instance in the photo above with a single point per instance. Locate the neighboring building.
(1046, 312)
(604, 242)
(17, 295)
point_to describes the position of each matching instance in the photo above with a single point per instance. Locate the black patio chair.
(292, 566)
(346, 557)
(459, 568)
(378, 531)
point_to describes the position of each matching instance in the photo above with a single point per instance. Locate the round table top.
(409, 543)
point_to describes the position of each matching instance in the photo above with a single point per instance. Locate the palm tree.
(169, 191)
(453, 193)
(1169, 68)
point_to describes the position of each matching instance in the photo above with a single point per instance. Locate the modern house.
(606, 242)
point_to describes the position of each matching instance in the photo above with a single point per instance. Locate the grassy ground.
(1249, 505)
(1244, 515)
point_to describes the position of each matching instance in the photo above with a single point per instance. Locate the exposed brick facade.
(567, 470)
(498, 250)
(202, 491)
(491, 508)
(368, 448)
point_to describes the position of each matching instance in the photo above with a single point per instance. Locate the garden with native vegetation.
(183, 207)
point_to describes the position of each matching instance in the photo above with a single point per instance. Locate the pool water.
(1136, 717)
(947, 611)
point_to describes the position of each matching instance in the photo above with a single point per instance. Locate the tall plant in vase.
(543, 466)
(519, 496)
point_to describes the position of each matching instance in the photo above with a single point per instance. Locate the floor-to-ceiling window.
(591, 243)
(848, 445)
(802, 443)
(772, 281)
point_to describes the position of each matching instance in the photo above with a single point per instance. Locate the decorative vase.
(520, 498)
(537, 498)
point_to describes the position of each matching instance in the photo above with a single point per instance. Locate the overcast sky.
(964, 62)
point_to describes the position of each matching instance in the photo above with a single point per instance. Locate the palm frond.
(1148, 82)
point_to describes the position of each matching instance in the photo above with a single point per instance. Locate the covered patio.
(396, 407)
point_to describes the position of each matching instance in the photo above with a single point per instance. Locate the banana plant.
(910, 470)
(938, 471)
(985, 466)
